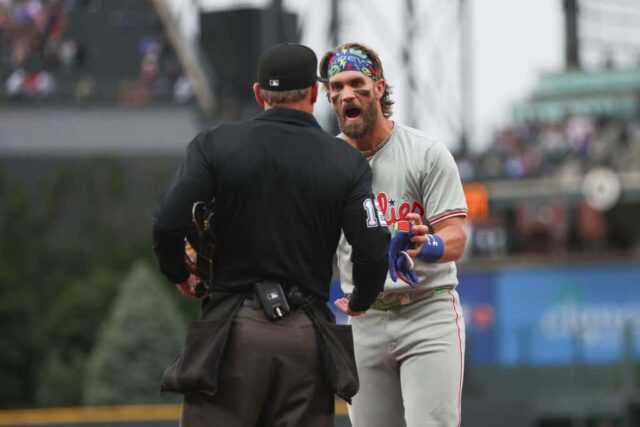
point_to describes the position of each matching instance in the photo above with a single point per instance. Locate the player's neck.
(379, 136)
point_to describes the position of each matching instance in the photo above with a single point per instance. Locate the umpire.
(265, 350)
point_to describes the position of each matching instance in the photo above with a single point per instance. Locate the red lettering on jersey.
(401, 213)
(404, 209)
(418, 208)
(382, 202)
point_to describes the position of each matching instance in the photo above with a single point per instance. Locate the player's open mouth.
(352, 112)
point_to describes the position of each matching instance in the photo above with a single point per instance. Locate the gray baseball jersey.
(412, 173)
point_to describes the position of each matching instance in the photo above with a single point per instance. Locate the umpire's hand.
(343, 305)
(188, 287)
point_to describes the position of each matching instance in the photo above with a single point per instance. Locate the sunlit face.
(353, 97)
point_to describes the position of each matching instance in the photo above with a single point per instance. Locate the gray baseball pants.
(410, 361)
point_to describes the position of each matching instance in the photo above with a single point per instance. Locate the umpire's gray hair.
(275, 98)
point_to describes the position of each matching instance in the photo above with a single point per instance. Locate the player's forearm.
(454, 238)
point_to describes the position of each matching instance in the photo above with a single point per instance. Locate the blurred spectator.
(21, 84)
(45, 84)
(183, 90)
(579, 131)
(129, 14)
(552, 142)
(133, 93)
(67, 53)
(466, 167)
(488, 238)
(592, 228)
(14, 83)
(160, 69)
(85, 89)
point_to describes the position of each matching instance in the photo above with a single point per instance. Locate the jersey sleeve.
(191, 183)
(442, 195)
(366, 231)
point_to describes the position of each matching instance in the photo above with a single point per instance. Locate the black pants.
(270, 376)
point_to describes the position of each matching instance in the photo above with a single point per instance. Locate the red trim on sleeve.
(447, 215)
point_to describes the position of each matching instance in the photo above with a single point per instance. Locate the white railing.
(180, 21)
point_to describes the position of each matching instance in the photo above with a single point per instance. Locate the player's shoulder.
(414, 136)
(417, 139)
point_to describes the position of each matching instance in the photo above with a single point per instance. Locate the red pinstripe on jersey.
(453, 301)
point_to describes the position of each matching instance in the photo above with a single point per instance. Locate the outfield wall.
(549, 315)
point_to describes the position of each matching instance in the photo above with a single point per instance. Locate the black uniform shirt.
(283, 190)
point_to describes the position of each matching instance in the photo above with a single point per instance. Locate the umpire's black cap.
(287, 66)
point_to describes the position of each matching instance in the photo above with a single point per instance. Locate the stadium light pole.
(466, 75)
(274, 23)
(572, 45)
(334, 23)
(334, 39)
(407, 59)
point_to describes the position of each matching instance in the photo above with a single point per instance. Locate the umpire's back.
(283, 190)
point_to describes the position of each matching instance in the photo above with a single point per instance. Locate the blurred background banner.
(572, 314)
(539, 102)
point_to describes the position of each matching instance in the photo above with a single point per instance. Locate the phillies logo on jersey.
(397, 212)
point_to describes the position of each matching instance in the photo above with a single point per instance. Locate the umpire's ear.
(258, 95)
(314, 93)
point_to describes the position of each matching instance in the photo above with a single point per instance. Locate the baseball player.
(410, 346)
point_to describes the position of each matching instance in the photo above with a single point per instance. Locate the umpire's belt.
(395, 299)
(251, 301)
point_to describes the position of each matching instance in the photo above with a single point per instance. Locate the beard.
(364, 126)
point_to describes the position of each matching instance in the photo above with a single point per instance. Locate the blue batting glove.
(405, 271)
(400, 263)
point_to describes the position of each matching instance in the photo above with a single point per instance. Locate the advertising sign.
(566, 314)
(478, 304)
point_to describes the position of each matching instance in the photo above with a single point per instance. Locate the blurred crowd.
(40, 58)
(160, 75)
(35, 46)
(568, 148)
(553, 149)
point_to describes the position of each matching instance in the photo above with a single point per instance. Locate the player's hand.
(192, 287)
(419, 233)
(400, 262)
(343, 305)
